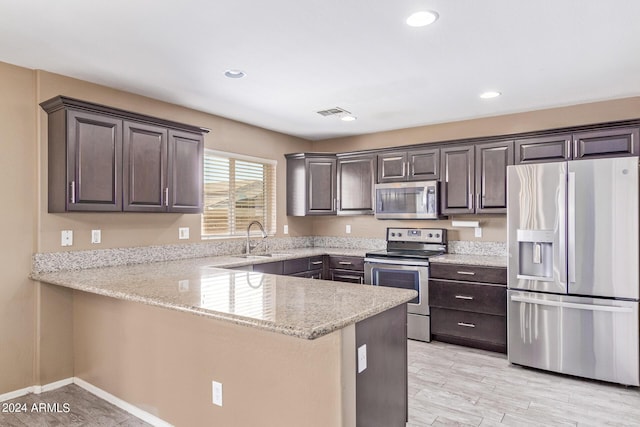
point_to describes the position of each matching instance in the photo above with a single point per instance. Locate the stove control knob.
(393, 234)
(437, 235)
(399, 234)
(430, 235)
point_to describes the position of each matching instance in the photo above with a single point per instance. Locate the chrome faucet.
(264, 236)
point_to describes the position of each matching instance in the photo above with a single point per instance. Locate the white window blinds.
(237, 190)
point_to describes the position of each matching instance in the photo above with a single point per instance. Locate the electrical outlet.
(183, 233)
(362, 358)
(66, 238)
(183, 285)
(347, 229)
(217, 393)
(478, 232)
(286, 229)
(96, 236)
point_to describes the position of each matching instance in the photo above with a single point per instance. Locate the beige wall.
(163, 361)
(18, 193)
(140, 229)
(493, 226)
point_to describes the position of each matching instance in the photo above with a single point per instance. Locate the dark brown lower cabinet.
(346, 269)
(468, 305)
(381, 389)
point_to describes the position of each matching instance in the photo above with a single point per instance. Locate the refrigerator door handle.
(573, 305)
(561, 254)
(571, 227)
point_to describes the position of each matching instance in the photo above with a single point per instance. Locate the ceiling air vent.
(336, 111)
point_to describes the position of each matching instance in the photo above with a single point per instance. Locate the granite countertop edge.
(319, 329)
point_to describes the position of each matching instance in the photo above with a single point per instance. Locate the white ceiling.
(302, 56)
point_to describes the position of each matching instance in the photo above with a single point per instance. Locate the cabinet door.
(94, 162)
(321, 186)
(184, 186)
(554, 148)
(424, 164)
(392, 167)
(457, 180)
(356, 177)
(145, 167)
(491, 176)
(606, 143)
(347, 276)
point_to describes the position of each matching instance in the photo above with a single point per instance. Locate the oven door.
(398, 274)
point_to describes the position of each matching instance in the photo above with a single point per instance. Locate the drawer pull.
(316, 262)
(466, 273)
(345, 263)
(464, 297)
(466, 325)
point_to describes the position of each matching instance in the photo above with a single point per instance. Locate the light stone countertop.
(303, 308)
(483, 260)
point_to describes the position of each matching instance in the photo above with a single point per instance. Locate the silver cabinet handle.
(466, 273)
(73, 192)
(465, 297)
(466, 325)
(345, 263)
(316, 262)
(166, 196)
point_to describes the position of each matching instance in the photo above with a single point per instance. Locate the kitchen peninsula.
(156, 335)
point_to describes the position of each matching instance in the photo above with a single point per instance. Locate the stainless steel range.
(405, 264)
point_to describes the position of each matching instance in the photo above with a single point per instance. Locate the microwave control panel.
(418, 235)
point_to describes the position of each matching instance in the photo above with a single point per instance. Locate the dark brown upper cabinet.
(311, 184)
(412, 165)
(184, 190)
(615, 142)
(106, 159)
(356, 180)
(554, 148)
(458, 180)
(612, 142)
(492, 160)
(475, 178)
(145, 157)
(85, 162)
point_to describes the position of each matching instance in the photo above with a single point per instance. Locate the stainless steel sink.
(258, 256)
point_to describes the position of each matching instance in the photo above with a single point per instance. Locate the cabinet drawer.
(346, 262)
(346, 276)
(472, 326)
(477, 297)
(298, 265)
(469, 273)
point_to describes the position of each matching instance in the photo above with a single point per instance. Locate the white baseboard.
(132, 409)
(37, 389)
(126, 406)
(13, 394)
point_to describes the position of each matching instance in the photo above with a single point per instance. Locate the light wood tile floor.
(448, 386)
(85, 409)
(457, 386)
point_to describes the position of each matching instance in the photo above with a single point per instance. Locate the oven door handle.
(380, 262)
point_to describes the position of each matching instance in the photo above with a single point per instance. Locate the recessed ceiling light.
(490, 94)
(235, 74)
(422, 18)
(348, 118)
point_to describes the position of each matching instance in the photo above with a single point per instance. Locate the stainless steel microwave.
(407, 200)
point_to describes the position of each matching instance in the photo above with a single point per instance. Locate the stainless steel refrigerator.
(573, 284)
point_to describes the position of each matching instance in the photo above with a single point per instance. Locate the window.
(237, 190)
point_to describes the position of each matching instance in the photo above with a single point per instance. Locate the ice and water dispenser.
(535, 254)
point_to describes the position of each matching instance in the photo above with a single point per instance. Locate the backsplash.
(466, 247)
(79, 260)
